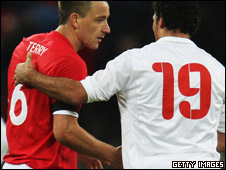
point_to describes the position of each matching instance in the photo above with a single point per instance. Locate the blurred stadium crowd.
(131, 26)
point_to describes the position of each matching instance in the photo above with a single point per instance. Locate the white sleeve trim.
(86, 84)
(66, 112)
(93, 89)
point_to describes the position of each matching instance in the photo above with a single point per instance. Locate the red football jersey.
(30, 112)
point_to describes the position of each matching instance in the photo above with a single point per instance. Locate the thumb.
(29, 59)
(29, 56)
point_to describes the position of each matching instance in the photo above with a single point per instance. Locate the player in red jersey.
(42, 132)
(171, 93)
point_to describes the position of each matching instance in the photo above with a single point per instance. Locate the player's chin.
(94, 46)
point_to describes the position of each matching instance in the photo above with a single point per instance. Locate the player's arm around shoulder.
(64, 89)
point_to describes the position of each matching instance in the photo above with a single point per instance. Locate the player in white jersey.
(171, 93)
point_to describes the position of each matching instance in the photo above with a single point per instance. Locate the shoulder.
(135, 51)
(62, 62)
(211, 59)
(39, 36)
(136, 54)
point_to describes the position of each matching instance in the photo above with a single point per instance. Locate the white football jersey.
(171, 96)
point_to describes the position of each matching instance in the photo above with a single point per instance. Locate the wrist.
(112, 155)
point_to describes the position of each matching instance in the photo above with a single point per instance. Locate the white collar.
(176, 40)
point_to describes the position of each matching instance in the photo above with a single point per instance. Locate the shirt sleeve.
(221, 127)
(103, 84)
(221, 87)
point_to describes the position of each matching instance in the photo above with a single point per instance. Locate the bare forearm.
(88, 145)
(221, 142)
(63, 89)
(68, 132)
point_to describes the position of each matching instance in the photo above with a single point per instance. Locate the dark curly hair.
(184, 16)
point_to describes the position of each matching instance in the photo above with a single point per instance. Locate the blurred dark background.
(131, 26)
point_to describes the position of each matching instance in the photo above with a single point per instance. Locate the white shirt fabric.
(13, 166)
(149, 140)
(4, 143)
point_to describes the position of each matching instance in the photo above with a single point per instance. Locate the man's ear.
(161, 23)
(74, 20)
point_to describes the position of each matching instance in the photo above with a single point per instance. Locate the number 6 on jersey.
(18, 95)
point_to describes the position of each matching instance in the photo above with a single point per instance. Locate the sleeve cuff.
(66, 112)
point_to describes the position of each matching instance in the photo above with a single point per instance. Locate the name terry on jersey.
(36, 48)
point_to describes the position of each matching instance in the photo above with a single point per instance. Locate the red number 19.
(184, 87)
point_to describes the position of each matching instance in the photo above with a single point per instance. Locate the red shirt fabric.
(30, 112)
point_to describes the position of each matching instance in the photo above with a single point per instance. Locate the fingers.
(97, 165)
(106, 163)
(94, 165)
(16, 83)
